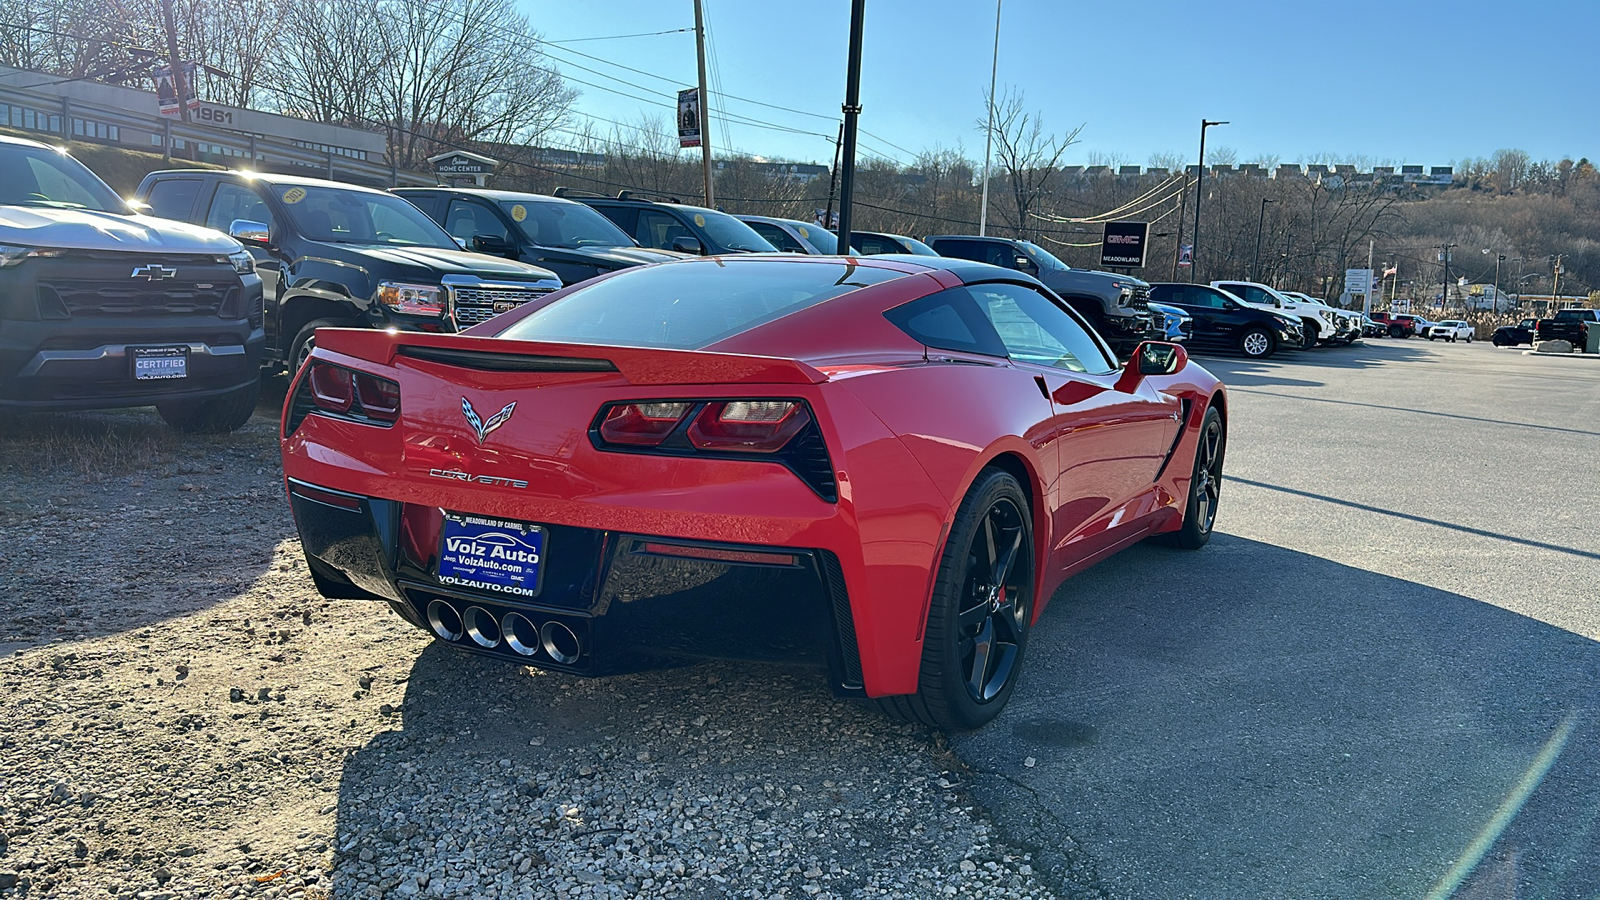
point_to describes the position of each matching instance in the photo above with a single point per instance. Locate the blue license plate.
(494, 555)
(160, 363)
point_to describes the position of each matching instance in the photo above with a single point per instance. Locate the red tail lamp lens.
(380, 397)
(331, 388)
(641, 424)
(752, 426)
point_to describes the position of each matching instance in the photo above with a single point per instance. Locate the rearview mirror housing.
(492, 244)
(1159, 358)
(685, 243)
(246, 231)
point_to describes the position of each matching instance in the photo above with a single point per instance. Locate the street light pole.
(988, 139)
(1444, 286)
(705, 104)
(1255, 265)
(1199, 194)
(852, 110)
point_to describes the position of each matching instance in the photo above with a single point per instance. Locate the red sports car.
(881, 465)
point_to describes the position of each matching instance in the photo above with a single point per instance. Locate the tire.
(216, 415)
(1258, 343)
(1311, 332)
(1200, 511)
(1497, 341)
(976, 636)
(304, 341)
(1469, 338)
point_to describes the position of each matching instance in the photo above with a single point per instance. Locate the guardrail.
(210, 141)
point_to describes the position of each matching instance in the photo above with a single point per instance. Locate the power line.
(618, 37)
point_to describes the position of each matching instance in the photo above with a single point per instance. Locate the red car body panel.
(1107, 459)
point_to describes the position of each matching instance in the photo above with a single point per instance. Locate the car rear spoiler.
(638, 365)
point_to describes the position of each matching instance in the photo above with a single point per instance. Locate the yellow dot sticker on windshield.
(294, 195)
(803, 232)
(699, 220)
(519, 212)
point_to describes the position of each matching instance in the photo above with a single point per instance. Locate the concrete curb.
(1573, 355)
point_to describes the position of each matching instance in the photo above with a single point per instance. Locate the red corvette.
(884, 466)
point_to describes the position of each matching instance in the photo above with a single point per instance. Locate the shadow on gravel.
(1250, 721)
(111, 521)
(714, 780)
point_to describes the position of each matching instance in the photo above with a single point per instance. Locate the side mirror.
(688, 243)
(1024, 264)
(492, 244)
(247, 232)
(1151, 358)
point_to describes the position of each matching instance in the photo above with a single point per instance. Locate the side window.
(779, 238)
(1035, 330)
(235, 201)
(1207, 298)
(467, 218)
(872, 246)
(621, 216)
(658, 229)
(173, 198)
(948, 320)
(972, 250)
(1170, 293)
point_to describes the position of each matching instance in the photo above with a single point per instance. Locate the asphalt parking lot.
(1355, 689)
(1379, 680)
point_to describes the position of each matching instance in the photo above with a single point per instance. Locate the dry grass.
(96, 446)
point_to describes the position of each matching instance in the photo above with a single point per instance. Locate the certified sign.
(1123, 244)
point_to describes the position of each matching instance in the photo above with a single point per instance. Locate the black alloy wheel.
(1257, 343)
(981, 610)
(1205, 488)
(306, 341)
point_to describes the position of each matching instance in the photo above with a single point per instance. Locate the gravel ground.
(182, 716)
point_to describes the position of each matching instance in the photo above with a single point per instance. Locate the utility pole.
(1444, 294)
(988, 138)
(179, 83)
(833, 180)
(705, 100)
(1495, 303)
(1255, 264)
(1555, 285)
(1183, 216)
(852, 110)
(1366, 299)
(1199, 188)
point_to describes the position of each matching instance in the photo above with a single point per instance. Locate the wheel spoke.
(978, 671)
(968, 619)
(1003, 567)
(988, 539)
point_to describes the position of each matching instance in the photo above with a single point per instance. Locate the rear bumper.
(87, 364)
(609, 601)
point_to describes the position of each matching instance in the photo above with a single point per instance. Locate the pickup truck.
(1512, 335)
(1570, 325)
(1400, 326)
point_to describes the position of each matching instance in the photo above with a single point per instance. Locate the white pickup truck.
(101, 307)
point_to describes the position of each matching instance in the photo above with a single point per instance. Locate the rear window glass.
(690, 305)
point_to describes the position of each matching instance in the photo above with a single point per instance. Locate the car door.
(1111, 443)
(465, 219)
(1199, 303)
(659, 229)
(233, 201)
(779, 237)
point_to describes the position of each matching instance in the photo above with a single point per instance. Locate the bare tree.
(1026, 155)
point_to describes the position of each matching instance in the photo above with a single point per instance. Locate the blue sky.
(1424, 83)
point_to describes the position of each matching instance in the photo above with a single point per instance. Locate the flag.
(1390, 271)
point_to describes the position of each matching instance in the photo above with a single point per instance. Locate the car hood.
(625, 256)
(82, 229)
(453, 262)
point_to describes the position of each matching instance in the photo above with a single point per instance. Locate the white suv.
(1451, 330)
(1347, 324)
(1317, 320)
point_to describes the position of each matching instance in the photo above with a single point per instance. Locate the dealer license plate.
(486, 554)
(160, 363)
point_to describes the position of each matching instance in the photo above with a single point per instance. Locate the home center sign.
(463, 169)
(1123, 245)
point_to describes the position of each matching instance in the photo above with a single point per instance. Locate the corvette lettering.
(491, 480)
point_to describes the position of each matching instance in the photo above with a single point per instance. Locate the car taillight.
(379, 397)
(347, 394)
(751, 426)
(641, 424)
(331, 387)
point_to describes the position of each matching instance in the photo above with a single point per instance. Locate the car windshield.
(726, 231)
(1043, 258)
(342, 216)
(41, 176)
(690, 305)
(564, 224)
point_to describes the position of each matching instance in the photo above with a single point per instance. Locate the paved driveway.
(1380, 678)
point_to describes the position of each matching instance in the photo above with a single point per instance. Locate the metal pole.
(179, 84)
(1494, 304)
(833, 180)
(1199, 190)
(852, 110)
(1366, 299)
(705, 101)
(1183, 216)
(1255, 265)
(988, 138)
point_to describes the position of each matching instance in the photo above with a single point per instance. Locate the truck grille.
(480, 304)
(119, 298)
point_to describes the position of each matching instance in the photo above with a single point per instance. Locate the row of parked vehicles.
(181, 296)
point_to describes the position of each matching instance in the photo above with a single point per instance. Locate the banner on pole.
(689, 117)
(167, 90)
(1185, 256)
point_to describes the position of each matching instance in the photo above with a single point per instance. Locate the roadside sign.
(1358, 281)
(689, 117)
(1123, 244)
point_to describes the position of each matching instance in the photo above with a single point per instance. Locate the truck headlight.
(241, 260)
(412, 299)
(1326, 314)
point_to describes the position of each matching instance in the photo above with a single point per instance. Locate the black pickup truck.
(335, 255)
(1570, 325)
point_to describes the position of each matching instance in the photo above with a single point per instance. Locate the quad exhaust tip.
(560, 642)
(481, 627)
(521, 634)
(517, 632)
(444, 620)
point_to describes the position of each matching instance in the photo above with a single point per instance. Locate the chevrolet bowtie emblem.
(154, 273)
(495, 421)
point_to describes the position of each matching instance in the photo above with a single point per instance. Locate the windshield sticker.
(519, 212)
(294, 195)
(699, 220)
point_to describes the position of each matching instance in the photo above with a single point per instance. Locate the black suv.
(1223, 320)
(1114, 304)
(101, 307)
(570, 239)
(334, 255)
(872, 243)
(670, 225)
